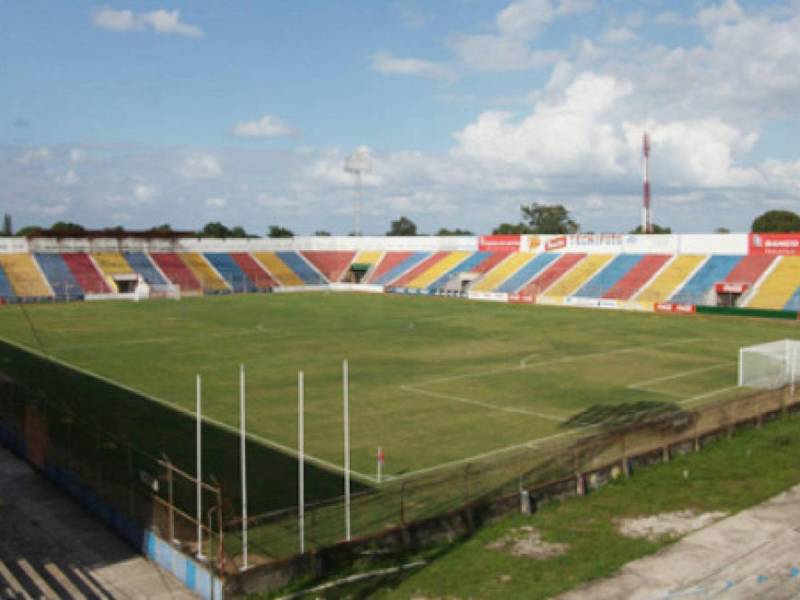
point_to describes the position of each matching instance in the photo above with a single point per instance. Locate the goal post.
(770, 366)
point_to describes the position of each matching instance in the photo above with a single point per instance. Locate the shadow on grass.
(630, 414)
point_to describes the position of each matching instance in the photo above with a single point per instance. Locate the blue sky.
(186, 112)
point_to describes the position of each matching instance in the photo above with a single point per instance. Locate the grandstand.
(617, 271)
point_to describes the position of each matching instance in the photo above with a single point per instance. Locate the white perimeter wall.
(589, 243)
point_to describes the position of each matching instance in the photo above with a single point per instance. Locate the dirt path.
(50, 547)
(753, 554)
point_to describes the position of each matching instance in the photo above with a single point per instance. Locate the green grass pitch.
(433, 380)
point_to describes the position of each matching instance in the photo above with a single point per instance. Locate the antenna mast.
(358, 163)
(647, 217)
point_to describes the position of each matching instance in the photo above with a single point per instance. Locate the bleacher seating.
(555, 271)
(571, 281)
(607, 278)
(6, 291)
(394, 264)
(257, 274)
(637, 277)
(141, 263)
(110, 264)
(781, 286)
(332, 264)
(505, 269)
(469, 265)
(209, 279)
(279, 270)
(230, 270)
(86, 273)
(307, 273)
(450, 261)
(176, 270)
(670, 279)
(24, 275)
(715, 270)
(524, 275)
(418, 269)
(750, 269)
(58, 274)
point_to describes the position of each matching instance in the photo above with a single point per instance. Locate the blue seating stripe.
(399, 269)
(608, 277)
(714, 270)
(527, 272)
(301, 268)
(59, 276)
(231, 271)
(6, 291)
(464, 266)
(794, 301)
(142, 264)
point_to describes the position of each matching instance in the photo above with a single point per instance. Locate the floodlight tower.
(357, 164)
(647, 217)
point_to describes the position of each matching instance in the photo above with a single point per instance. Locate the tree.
(116, 229)
(511, 228)
(656, 229)
(276, 231)
(722, 230)
(402, 227)
(7, 228)
(29, 230)
(456, 231)
(161, 229)
(543, 218)
(214, 229)
(322, 233)
(777, 221)
(238, 231)
(67, 229)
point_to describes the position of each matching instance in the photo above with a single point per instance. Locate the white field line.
(521, 411)
(229, 428)
(647, 382)
(556, 361)
(708, 394)
(533, 444)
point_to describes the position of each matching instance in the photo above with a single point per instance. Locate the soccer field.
(434, 381)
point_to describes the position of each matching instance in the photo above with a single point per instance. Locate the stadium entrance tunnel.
(100, 432)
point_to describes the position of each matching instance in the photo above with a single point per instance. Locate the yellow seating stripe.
(24, 275)
(112, 263)
(578, 275)
(449, 262)
(670, 278)
(282, 272)
(503, 271)
(368, 257)
(779, 286)
(203, 272)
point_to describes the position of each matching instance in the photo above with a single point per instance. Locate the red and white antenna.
(647, 217)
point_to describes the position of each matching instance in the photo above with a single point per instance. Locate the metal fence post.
(403, 503)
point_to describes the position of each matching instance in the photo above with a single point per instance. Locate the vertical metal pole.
(243, 440)
(793, 372)
(301, 493)
(741, 366)
(199, 454)
(171, 498)
(346, 391)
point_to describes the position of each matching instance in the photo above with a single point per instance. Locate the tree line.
(535, 219)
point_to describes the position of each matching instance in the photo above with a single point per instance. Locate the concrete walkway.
(753, 554)
(50, 547)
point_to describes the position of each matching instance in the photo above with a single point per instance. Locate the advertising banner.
(774, 244)
(672, 307)
(499, 243)
(732, 288)
(520, 298)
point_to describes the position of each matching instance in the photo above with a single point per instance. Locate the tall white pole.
(199, 454)
(741, 366)
(243, 441)
(346, 391)
(301, 492)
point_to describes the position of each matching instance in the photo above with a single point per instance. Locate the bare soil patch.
(671, 524)
(527, 542)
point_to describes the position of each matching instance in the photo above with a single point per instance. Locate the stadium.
(477, 367)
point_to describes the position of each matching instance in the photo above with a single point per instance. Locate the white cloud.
(511, 45)
(618, 35)
(205, 166)
(216, 202)
(144, 193)
(34, 155)
(384, 62)
(76, 155)
(161, 21)
(68, 179)
(266, 127)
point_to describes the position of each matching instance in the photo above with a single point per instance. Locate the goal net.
(770, 366)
